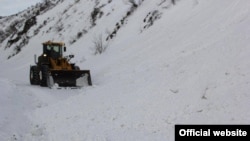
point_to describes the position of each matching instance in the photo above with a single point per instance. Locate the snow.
(190, 67)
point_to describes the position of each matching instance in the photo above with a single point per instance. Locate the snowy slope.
(167, 64)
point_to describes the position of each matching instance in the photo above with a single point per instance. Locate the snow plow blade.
(69, 78)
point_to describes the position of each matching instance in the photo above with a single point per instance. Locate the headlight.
(44, 55)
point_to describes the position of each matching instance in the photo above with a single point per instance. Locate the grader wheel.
(34, 75)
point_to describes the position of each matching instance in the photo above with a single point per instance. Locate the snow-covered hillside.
(163, 65)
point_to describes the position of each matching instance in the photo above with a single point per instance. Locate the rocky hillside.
(153, 63)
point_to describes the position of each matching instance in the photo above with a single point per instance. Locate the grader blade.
(71, 78)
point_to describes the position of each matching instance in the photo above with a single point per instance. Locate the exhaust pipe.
(35, 59)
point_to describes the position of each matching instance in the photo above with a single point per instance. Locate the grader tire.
(34, 75)
(44, 72)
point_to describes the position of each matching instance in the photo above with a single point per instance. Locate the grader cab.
(53, 68)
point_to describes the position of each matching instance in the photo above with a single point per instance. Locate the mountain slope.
(165, 65)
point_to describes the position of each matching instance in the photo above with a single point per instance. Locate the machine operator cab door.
(53, 50)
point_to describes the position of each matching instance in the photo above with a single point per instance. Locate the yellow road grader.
(54, 70)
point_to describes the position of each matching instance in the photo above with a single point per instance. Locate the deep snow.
(190, 67)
